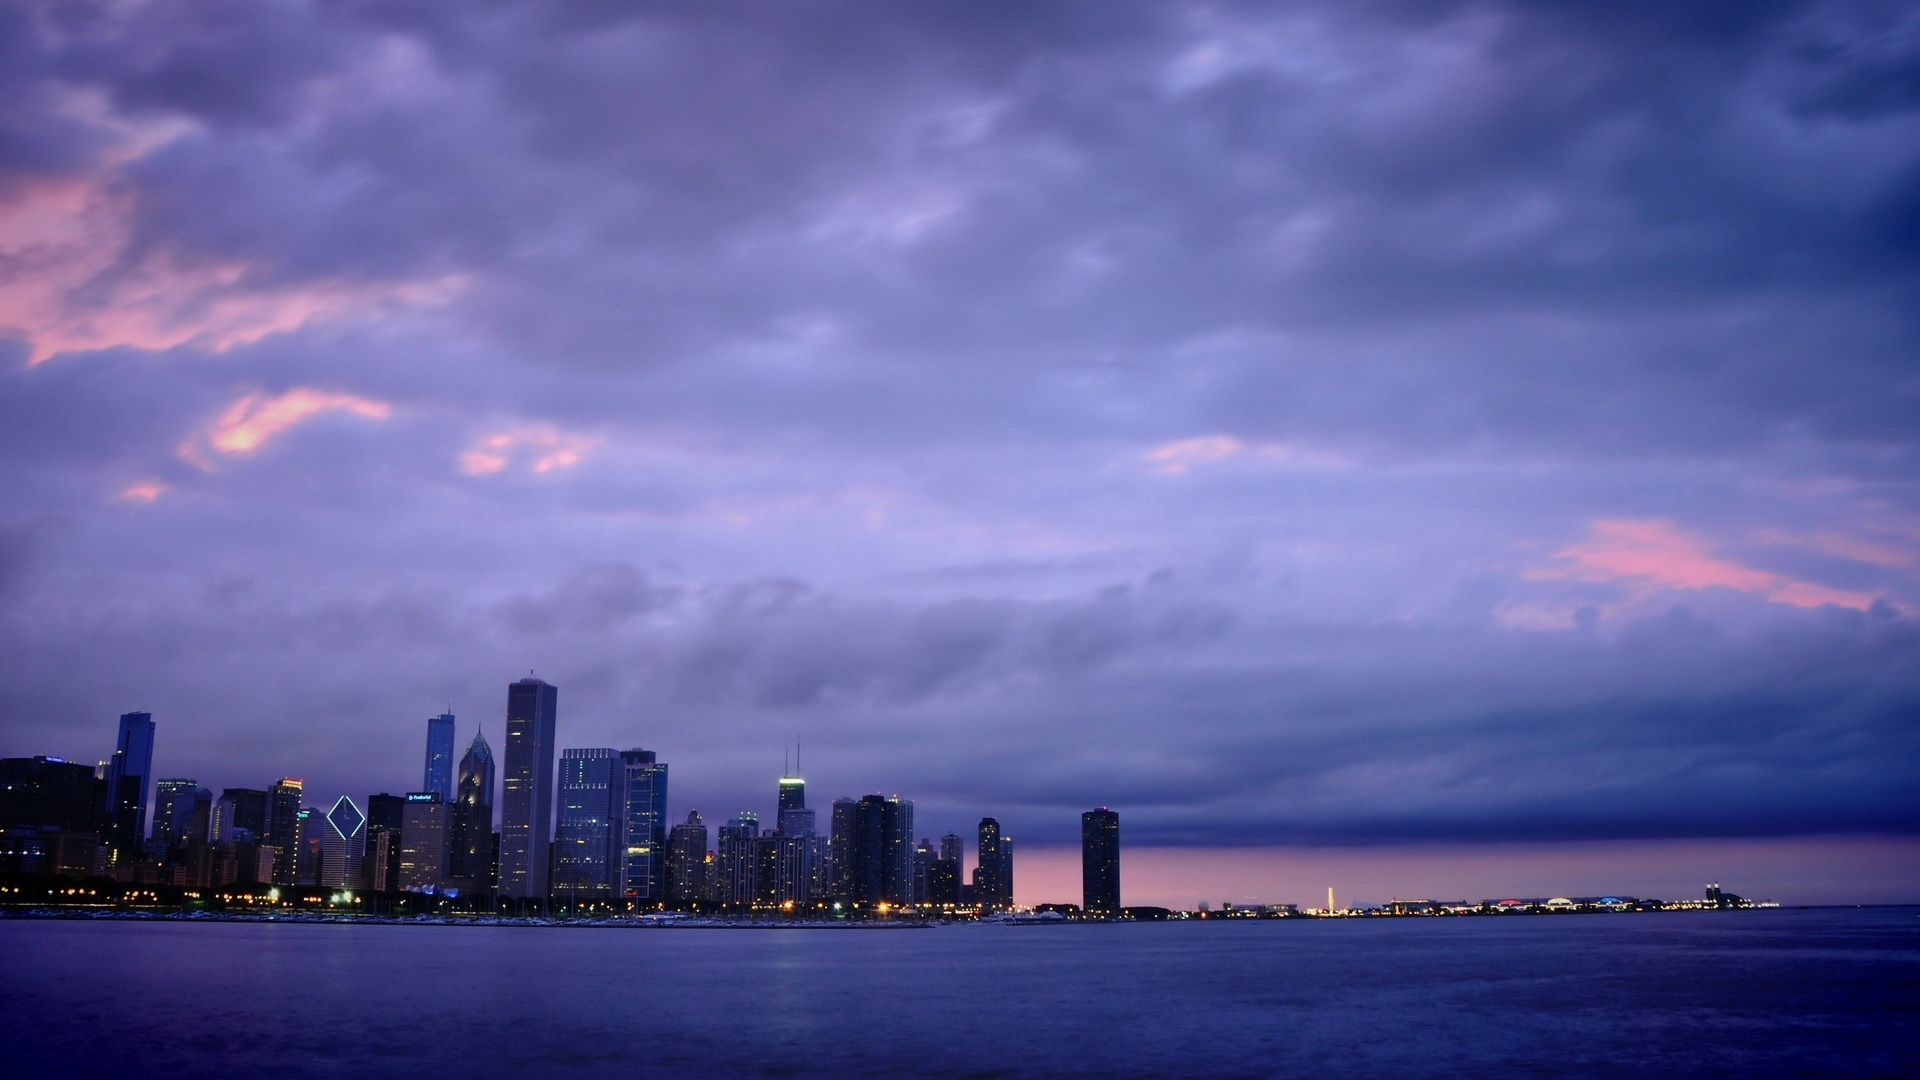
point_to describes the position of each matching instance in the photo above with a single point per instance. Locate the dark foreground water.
(1833, 992)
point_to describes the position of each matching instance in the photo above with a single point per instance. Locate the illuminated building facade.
(283, 828)
(687, 861)
(423, 843)
(641, 840)
(988, 889)
(586, 839)
(343, 846)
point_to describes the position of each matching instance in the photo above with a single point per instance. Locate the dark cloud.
(1299, 422)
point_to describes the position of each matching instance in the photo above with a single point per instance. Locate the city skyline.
(1325, 432)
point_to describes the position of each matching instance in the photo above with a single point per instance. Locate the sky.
(1362, 437)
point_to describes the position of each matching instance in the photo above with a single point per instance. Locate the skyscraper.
(386, 818)
(987, 889)
(1100, 861)
(470, 824)
(50, 793)
(526, 803)
(439, 774)
(687, 861)
(239, 817)
(181, 812)
(642, 837)
(879, 851)
(423, 843)
(953, 847)
(840, 847)
(343, 846)
(737, 863)
(129, 776)
(587, 835)
(283, 828)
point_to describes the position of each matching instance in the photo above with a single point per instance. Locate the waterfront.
(1770, 993)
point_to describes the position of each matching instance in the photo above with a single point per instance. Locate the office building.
(386, 818)
(439, 771)
(343, 848)
(737, 883)
(587, 836)
(988, 891)
(840, 845)
(781, 872)
(877, 864)
(182, 812)
(641, 842)
(48, 793)
(954, 848)
(313, 836)
(1100, 862)
(924, 856)
(526, 798)
(423, 843)
(239, 816)
(470, 823)
(943, 882)
(283, 828)
(687, 861)
(129, 781)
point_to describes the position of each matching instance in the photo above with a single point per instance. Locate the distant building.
(239, 817)
(48, 793)
(738, 860)
(470, 822)
(313, 835)
(687, 861)
(526, 801)
(439, 771)
(423, 843)
(943, 882)
(641, 842)
(987, 886)
(386, 817)
(780, 870)
(879, 851)
(182, 812)
(1100, 862)
(586, 838)
(840, 846)
(283, 828)
(344, 846)
(953, 846)
(924, 856)
(129, 779)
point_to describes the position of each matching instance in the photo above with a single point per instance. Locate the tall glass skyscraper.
(585, 856)
(526, 799)
(439, 775)
(129, 779)
(470, 825)
(1100, 862)
(642, 841)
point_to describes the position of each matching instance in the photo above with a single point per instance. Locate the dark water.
(1832, 992)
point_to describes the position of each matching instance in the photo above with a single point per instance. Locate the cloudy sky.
(1311, 429)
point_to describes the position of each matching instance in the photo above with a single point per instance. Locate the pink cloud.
(258, 418)
(542, 447)
(73, 290)
(1181, 455)
(1647, 555)
(145, 491)
(1848, 547)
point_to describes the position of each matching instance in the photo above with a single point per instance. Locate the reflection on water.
(1750, 994)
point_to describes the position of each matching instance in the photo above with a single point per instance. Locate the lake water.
(1823, 992)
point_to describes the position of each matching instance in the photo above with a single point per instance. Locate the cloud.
(1649, 554)
(540, 447)
(256, 419)
(144, 491)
